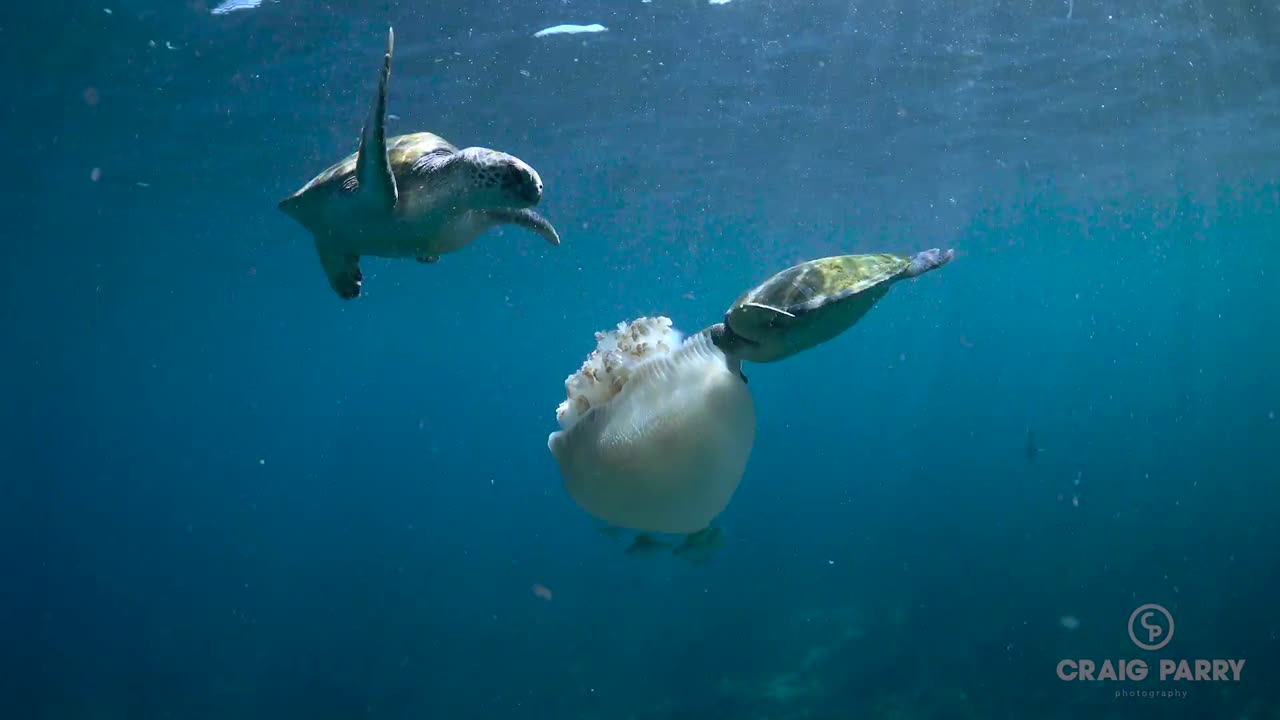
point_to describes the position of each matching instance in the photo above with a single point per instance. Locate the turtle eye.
(512, 176)
(520, 182)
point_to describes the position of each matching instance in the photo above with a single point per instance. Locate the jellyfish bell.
(656, 429)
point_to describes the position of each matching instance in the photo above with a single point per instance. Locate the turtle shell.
(403, 151)
(810, 303)
(819, 283)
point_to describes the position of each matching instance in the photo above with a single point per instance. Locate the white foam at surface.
(606, 370)
(570, 30)
(231, 6)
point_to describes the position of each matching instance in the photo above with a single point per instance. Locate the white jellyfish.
(656, 429)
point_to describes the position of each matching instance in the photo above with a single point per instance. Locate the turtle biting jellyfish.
(656, 429)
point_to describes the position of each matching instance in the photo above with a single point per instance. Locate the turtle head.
(735, 347)
(498, 180)
(754, 332)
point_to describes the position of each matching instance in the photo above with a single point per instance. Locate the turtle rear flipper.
(377, 185)
(342, 269)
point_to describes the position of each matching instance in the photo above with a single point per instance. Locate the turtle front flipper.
(343, 271)
(525, 218)
(377, 185)
(470, 225)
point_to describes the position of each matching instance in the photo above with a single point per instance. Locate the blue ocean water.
(225, 492)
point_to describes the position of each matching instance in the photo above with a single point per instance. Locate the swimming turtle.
(412, 195)
(811, 303)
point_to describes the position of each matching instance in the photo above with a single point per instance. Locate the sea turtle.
(811, 303)
(412, 195)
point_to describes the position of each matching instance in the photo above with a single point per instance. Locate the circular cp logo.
(1145, 623)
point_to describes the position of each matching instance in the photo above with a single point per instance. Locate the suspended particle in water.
(95, 174)
(90, 96)
(542, 592)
